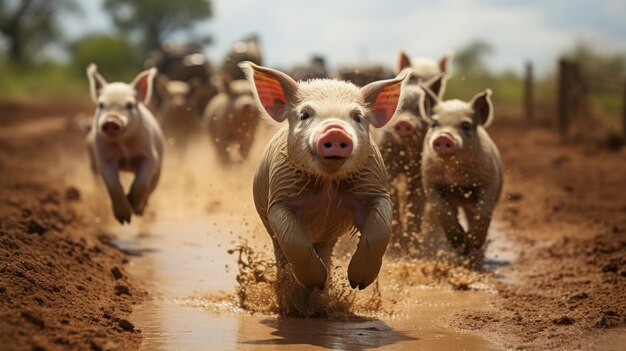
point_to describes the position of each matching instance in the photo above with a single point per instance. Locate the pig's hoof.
(122, 213)
(311, 275)
(363, 270)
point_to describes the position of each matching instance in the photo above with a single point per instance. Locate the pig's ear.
(403, 61)
(384, 97)
(273, 90)
(483, 108)
(444, 63)
(96, 81)
(437, 85)
(430, 99)
(143, 85)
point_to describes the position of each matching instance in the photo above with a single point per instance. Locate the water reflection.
(337, 335)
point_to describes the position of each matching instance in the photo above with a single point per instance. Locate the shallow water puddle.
(182, 260)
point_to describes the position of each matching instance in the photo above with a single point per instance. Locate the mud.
(195, 271)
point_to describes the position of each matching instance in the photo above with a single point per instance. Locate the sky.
(358, 31)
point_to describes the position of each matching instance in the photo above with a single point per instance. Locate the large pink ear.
(384, 99)
(143, 85)
(273, 90)
(403, 61)
(96, 82)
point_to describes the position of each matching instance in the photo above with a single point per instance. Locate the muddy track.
(63, 287)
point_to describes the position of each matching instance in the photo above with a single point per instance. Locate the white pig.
(461, 168)
(322, 176)
(423, 69)
(125, 136)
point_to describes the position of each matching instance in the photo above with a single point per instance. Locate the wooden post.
(528, 91)
(624, 111)
(563, 91)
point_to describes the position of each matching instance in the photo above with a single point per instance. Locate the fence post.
(624, 111)
(528, 91)
(563, 91)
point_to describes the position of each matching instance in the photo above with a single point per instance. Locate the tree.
(28, 25)
(469, 59)
(604, 70)
(156, 20)
(113, 54)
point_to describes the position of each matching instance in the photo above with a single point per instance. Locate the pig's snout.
(111, 125)
(335, 144)
(444, 145)
(404, 128)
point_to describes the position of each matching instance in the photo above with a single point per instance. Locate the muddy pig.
(400, 144)
(322, 176)
(125, 136)
(231, 118)
(423, 69)
(461, 168)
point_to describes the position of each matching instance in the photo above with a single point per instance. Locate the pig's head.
(423, 69)
(455, 125)
(410, 124)
(117, 114)
(329, 120)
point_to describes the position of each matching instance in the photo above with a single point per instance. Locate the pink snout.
(404, 128)
(111, 125)
(335, 144)
(444, 144)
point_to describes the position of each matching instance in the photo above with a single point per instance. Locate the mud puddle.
(189, 271)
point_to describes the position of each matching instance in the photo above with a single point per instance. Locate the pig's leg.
(375, 232)
(306, 266)
(479, 216)
(447, 216)
(121, 207)
(142, 184)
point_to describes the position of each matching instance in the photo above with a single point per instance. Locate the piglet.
(461, 168)
(125, 136)
(322, 176)
(231, 119)
(423, 69)
(400, 144)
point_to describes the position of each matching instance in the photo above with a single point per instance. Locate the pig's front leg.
(375, 232)
(479, 217)
(142, 185)
(447, 216)
(306, 266)
(121, 207)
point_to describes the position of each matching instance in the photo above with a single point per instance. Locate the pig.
(461, 168)
(423, 69)
(231, 118)
(125, 136)
(321, 176)
(400, 144)
(177, 113)
(246, 49)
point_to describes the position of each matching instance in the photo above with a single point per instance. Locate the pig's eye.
(304, 115)
(101, 106)
(466, 127)
(434, 124)
(357, 118)
(130, 106)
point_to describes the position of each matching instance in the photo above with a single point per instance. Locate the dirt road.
(63, 286)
